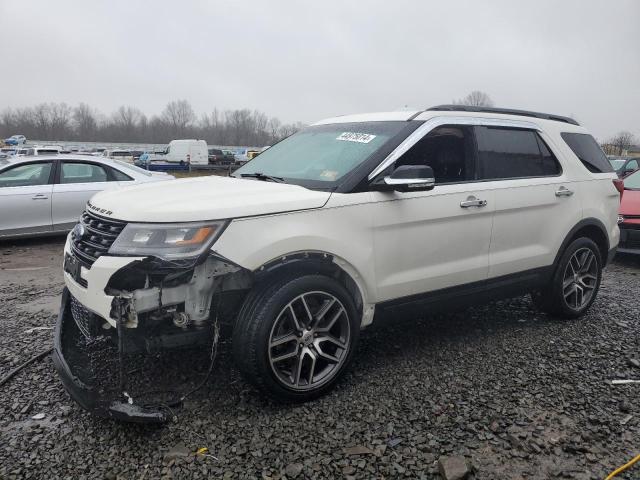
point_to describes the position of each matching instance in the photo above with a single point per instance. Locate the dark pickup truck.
(221, 157)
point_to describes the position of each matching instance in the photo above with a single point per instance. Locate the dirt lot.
(518, 394)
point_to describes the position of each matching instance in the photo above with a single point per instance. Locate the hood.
(204, 198)
(630, 203)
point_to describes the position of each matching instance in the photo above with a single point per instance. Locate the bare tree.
(621, 142)
(85, 121)
(57, 121)
(475, 99)
(178, 115)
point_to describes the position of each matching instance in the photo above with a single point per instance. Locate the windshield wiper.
(263, 177)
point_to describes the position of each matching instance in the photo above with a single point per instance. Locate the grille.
(99, 235)
(85, 320)
(630, 237)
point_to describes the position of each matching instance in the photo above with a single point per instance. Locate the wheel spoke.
(306, 308)
(330, 339)
(290, 337)
(332, 321)
(586, 266)
(323, 311)
(327, 356)
(298, 370)
(312, 368)
(295, 318)
(286, 356)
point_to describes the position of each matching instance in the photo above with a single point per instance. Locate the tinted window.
(26, 175)
(588, 151)
(513, 153)
(82, 173)
(448, 150)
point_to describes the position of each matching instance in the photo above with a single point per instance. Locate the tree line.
(62, 122)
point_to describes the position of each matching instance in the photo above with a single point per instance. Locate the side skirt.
(463, 296)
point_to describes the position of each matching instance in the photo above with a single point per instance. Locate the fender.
(585, 222)
(327, 264)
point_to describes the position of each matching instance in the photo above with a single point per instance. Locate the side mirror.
(410, 178)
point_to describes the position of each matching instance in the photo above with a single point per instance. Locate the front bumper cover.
(85, 394)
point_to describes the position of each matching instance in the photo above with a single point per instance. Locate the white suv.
(350, 217)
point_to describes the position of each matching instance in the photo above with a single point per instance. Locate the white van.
(194, 152)
(46, 150)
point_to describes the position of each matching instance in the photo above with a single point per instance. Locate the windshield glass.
(617, 164)
(322, 154)
(632, 182)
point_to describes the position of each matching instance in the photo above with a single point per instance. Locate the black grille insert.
(99, 235)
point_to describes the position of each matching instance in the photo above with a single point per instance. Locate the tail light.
(619, 184)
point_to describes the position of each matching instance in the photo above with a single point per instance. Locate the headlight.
(167, 240)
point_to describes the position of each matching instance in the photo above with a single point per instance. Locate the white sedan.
(45, 195)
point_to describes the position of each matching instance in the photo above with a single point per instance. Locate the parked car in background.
(119, 154)
(21, 152)
(6, 152)
(44, 150)
(46, 195)
(221, 157)
(15, 140)
(623, 166)
(343, 220)
(184, 152)
(629, 219)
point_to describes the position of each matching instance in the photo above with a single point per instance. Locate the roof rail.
(504, 111)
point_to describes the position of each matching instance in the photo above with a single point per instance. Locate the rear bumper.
(86, 395)
(629, 239)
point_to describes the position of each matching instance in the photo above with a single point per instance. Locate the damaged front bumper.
(86, 394)
(125, 314)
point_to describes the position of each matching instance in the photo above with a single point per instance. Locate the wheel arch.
(591, 228)
(324, 263)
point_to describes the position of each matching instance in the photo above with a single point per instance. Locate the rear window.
(588, 151)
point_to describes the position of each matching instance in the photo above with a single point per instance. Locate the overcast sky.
(302, 61)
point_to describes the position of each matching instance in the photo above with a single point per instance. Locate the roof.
(413, 114)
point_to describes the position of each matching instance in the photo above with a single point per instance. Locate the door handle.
(39, 196)
(564, 192)
(473, 202)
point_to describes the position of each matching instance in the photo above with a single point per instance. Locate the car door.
(77, 182)
(534, 198)
(431, 240)
(25, 198)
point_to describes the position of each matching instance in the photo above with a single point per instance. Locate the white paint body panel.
(206, 198)
(393, 245)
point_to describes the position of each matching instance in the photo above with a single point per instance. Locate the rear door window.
(513, 153)
(82, 173)
(588, 151)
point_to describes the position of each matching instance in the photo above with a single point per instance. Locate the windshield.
(617, 163)
(632, 182)
(322, 154)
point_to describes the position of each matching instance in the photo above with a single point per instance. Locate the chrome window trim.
(435, 122)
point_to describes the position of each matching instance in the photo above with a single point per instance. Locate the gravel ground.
(516, 393)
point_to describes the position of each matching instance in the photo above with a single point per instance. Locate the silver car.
(42, 195)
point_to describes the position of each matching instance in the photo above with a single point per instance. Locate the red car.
(629, 217)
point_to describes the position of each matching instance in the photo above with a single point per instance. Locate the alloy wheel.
(580, 278)
(309, 341)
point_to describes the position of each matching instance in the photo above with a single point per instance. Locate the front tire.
(576, 281)
(294, 338)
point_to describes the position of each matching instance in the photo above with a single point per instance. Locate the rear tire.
(575, 283)
(294, 338)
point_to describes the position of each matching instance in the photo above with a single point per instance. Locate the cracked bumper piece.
(84, 393)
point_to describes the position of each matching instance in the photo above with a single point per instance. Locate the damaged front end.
(157, 343)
